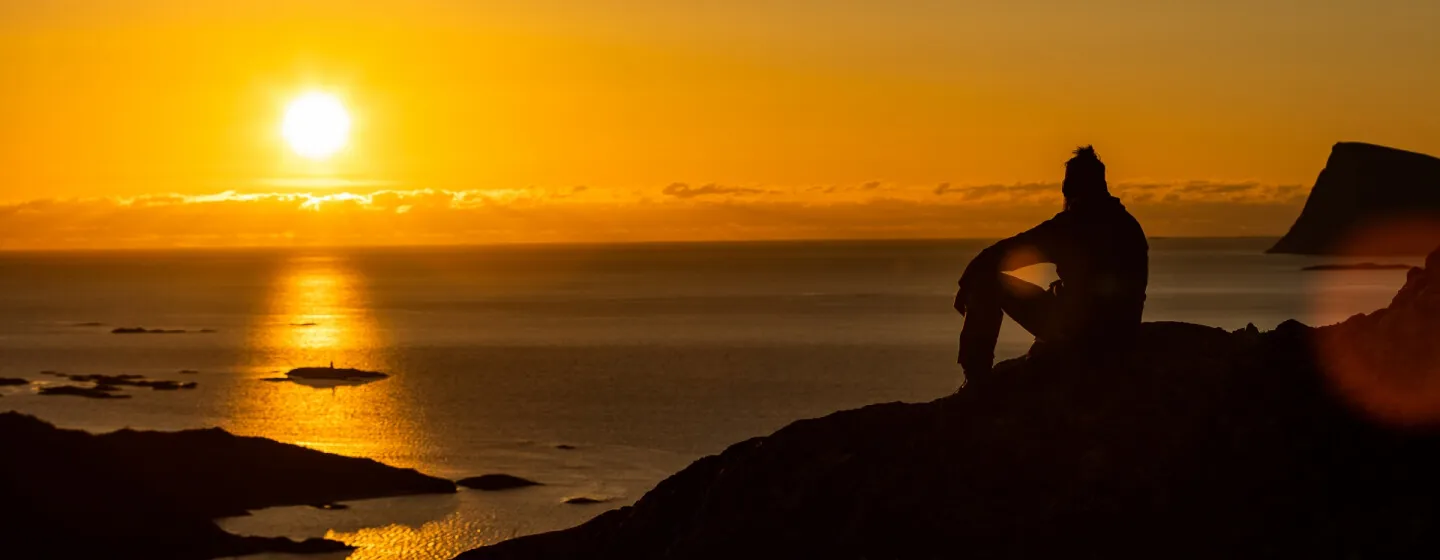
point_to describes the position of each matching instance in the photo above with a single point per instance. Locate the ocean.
(641, 357)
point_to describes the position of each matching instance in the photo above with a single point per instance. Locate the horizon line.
(482, 245)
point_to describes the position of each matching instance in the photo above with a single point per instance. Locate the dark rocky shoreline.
(1295, 443)
(140, 494)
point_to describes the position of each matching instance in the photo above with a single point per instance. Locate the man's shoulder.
(1064, 218)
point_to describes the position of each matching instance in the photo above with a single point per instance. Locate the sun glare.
(316, 125)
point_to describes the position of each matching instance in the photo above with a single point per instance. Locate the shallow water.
(644, 357)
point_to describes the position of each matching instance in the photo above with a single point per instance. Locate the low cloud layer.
(1203, 192)
(582, 214)
(682, 190)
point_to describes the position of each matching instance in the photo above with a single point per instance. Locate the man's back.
(1102, 257)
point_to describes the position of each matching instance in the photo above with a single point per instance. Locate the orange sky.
(156, 122)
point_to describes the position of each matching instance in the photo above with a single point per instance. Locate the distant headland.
(1369, 200)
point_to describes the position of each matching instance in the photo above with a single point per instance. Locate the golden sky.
(157, 122)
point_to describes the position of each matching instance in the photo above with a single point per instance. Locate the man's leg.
(983, 315)
(1028, 304)
(1033, 307)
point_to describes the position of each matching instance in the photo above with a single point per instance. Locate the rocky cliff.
(1369, 199)
(133, 494)
(1295, 443)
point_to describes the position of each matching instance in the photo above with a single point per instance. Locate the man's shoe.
(974, 373)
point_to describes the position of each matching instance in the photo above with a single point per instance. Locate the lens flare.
(1385, 363)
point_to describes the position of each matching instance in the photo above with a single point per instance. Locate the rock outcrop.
(1388, 361)
(1205, 444)
(496, 482)
(1371, 200)
(134, 494)
(96, 392)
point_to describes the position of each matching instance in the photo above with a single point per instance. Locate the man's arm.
(1027, 248)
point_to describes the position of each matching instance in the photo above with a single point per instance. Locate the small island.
(496, 482)
(109, 386)
(1357, 266)
(114, 382)
(333, 373)
(96, 392)
(143, 330)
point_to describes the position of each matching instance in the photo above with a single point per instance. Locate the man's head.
(1084, 176)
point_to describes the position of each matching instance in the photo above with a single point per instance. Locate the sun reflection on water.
(319, 313)
(442, 538)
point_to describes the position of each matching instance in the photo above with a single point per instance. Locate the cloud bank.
(676, 212)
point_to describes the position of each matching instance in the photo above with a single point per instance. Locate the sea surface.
(642, 357)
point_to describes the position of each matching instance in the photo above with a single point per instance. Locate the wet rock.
(565, 447)
(12, 381)
(583, 500)
(495, 482)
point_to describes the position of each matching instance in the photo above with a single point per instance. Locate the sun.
(316, 125)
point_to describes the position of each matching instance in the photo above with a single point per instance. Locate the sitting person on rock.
(1101, 257)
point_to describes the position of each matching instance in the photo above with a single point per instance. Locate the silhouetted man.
(1101, 256)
